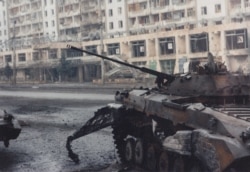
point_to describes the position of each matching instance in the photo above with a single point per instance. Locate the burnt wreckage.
(198, 121)
(9, 128)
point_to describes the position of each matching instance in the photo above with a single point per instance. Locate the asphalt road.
(48, 117)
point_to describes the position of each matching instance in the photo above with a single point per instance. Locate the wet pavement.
(47, 119)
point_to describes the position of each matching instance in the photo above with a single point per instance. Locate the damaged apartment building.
(159, 34)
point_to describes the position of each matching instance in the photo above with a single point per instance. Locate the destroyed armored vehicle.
(9, 128)
(197, 121)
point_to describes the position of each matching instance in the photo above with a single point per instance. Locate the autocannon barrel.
(160, 75)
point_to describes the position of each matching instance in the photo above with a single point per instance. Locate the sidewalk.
(86, 85)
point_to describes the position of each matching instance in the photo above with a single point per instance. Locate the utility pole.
(14, 53)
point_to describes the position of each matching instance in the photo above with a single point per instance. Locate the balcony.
(142, 12)
(89, 8)
(68, 25)
(133, 1)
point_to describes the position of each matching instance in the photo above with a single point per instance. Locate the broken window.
(93, 70)
(165, 2)
(70, 53)
(167, 45)
(110, 12)
(113, 49)
(53, 54)
(199, 43)
(22, 57)
(8, 58)
(119, 10)
(120, 24)
(91, 48)
(236, 39)
(176, 2)
(138, 49)
(203, 10)
(35, 56)
(111, 25)
(143, 5)
(167, 66)
(156, 17)
(217, 8)
(140, 64)
(156, 3)
(167, 16)
(144, 20)
(190, 12)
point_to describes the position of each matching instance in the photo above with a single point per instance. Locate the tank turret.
(196, 121)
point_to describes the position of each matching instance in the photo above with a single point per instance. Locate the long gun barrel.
(160, 76)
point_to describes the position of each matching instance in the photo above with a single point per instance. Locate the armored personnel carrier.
(9, 128)
(196, 121)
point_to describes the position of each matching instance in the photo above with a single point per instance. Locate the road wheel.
(152, 158)
(179, 164)
(139, 152)
(164, 162)
(130, 150)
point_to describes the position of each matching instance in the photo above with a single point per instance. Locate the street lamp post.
(14, 53)
(102, 48)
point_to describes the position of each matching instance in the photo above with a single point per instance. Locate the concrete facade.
(159, 34)
(3, 25)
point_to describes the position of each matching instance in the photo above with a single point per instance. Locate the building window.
(70, 53)
(110, 12)
(140, 64)
(218, 22)
(138, 49)
(167, 66)
(119, 10)
(22, 57)
(165, 2)
(92, 48)
(52, 12)
(113, 49)
(203, 10)
(53, 54)
(167, 16)
(53, 23)
(46, 13)
(190, 12)
(217, 8)
(110, 1)
(199, 43)
(8, 58)
(111, 25)
(35, 56)
(45, 2)
(236, 39)
(120, 23)
(144, 20)
(46, 24)
(167, 45)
